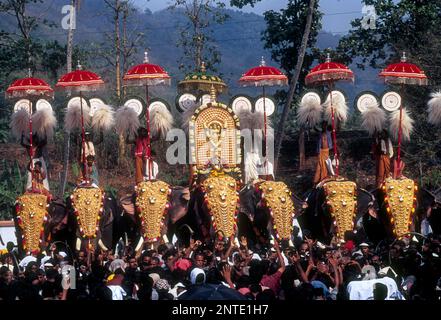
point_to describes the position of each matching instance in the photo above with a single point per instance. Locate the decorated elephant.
(268, 209)
(334, 207)
(97, 216)
(142, 221)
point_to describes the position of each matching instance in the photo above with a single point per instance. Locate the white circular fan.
(365, 101)
(270, 107)
(206, 98)
(76, 101)
(311, 97)
(22, 104)
(391, 101)
(136, 105)
(157, 105)
(241, 103)
(95, 104)
(186, 101)
(336, 96)
(43, 104)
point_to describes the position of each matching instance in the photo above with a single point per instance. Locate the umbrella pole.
(148, 130)
(31, 147)
(400, 134)
(83, 139)
(334, 135)
(265, 134)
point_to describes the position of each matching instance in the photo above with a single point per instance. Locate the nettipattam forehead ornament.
(341, 199)
(31, 211)
(221, 198)
(88, 205)
(152, 203)
(400, 200)
(277, 198)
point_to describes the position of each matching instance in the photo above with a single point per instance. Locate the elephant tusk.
(139, 245)
(102, 246)
(78, 244)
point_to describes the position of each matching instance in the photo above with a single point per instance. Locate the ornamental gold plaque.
(88, 205)
(400, 203)
(341, 199)
(31, 215)
(222, 199)
(152, 203)
(277, 198)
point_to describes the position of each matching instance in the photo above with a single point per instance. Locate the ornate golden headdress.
(341, 199)
(152, 204)
(277, 198)
(400, 203)
(88, 205)
(222, 198)
(31, 211)
(214, 132)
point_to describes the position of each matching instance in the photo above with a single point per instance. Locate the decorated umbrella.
(146, 75)
(262, 76)
(81, 81)
(29, 88)
(201, 81)
(403, 73)
(326, 74)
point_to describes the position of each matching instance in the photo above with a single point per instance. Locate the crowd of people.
(407, 269)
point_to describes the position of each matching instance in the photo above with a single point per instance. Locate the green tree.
(196, 37)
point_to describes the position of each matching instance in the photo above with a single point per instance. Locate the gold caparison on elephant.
(152, 202)
(277, 198)
(31, 211)
(400, 201)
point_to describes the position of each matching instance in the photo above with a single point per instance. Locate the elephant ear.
(364, 199)
(298, 204)
(127, 204)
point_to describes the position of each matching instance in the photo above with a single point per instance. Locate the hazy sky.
(338, 13)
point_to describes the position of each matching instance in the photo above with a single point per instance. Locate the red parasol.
(403, 73)
(326, 74)
(79, 81)
(29, 87)
(147, 74)
(262, 76)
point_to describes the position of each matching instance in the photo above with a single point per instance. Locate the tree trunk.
(66, 138)
(293, 84)
(117, 51)
(302, 159)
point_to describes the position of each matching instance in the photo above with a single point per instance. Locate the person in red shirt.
(273, 281)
